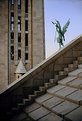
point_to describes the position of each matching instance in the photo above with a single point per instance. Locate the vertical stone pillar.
(23, 30)
(16, 33)
(30, 33)
(38, 31)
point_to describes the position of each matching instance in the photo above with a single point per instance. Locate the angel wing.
(58, 24)
(65, 27)
(53, 22)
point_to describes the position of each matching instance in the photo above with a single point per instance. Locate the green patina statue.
(61, 32)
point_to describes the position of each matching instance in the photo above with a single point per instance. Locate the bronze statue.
(61, 32)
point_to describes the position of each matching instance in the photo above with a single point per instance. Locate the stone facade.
(3, 43)
(21, 36)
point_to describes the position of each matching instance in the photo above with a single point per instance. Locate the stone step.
(66, 69)
(75, 62)
(59, 77)
(55, 89)
(38, 113)
(63, 93)
(38, 93)
(76, 73)
(72, 67)
(80, 66)
(20, 106)
(15, 110)
(71, 82)
(64, 108)
(66, 80)
(56, 77)
(76, 83)
(42, 88)
(51, 117)
(26, 101)
(32, 107)
(63, 73)
(50, 103)
(80, 60)
(43, 98)
(76, 97)
(47, 85)
(53, 81)
(31, 97)
(75, 115)
(56, 106)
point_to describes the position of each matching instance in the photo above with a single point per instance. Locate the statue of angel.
(61, 32)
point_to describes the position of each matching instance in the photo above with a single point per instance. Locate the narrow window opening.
(18, 76)
(12, 27)
(12, 35)
(26, 6)
(19, 37)
(12, 17)
(19, 54)
(19, 23)
(26, 39)
(12, 2)
(12, 52)
(26, 56)
(26, 25)
(19, 4)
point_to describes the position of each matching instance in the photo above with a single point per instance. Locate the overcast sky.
(62, 10)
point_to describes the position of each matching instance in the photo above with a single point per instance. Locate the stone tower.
(21, 36)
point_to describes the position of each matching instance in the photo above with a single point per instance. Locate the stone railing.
(40, 74)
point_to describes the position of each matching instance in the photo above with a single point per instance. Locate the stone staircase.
(52, 82)
(62, 102)
(50, 91)
(61, 99)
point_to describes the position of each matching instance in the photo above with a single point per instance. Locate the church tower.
(21, 36)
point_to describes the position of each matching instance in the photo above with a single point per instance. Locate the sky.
(61, 10)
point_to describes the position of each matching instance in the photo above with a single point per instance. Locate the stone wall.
(3, 43)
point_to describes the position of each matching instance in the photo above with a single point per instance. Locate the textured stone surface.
(53, 102)
(65, 107)
(39, 113)
(55, 88)
(32, 107)
(76, 82)
(65, 91)
(80, 74)
(77, 96)
(43, 98)
(80, 66)
(66, 80)
(75, 73)
(3, 44)
(75, 115)
(51, 117)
